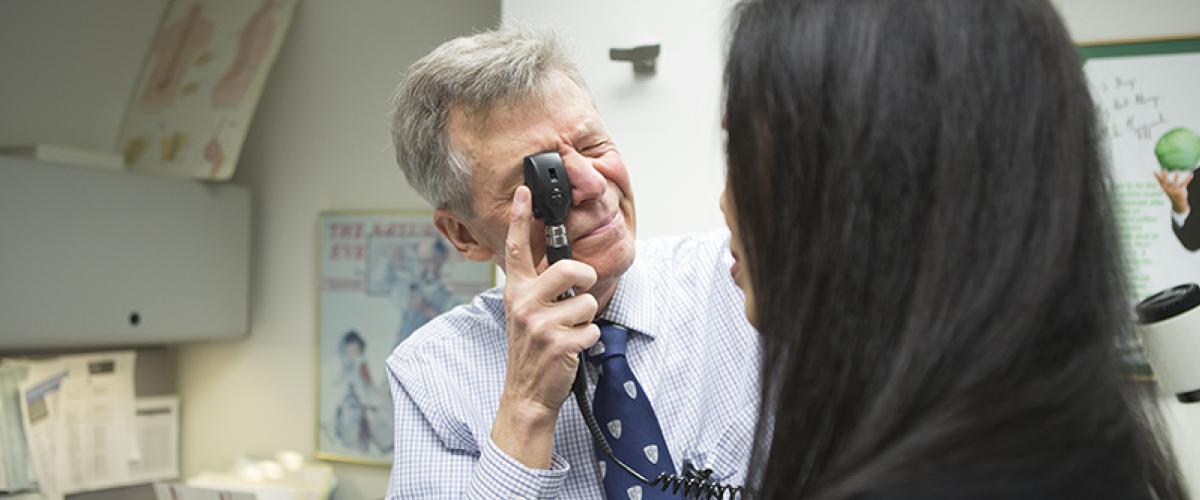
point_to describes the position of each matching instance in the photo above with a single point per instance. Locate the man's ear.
(461, 235)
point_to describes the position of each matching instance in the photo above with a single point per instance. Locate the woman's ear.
(461, 235)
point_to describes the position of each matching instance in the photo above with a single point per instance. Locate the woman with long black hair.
(923, 232)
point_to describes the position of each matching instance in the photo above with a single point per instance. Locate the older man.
(481, 392)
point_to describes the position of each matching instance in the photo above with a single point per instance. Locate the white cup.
(1169, 326)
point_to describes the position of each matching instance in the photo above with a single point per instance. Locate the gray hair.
(473, 73)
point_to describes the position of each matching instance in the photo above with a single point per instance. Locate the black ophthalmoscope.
(550, 191)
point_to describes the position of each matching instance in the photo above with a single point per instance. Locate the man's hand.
(545, 336)
(1175, 186)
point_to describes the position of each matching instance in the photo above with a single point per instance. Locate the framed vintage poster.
(381, 275)
(1145, 93)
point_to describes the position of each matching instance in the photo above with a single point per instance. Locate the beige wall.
(319, 141)
(1097, 20)
(69, 68)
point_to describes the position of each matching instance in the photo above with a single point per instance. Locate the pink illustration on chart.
(173, 53)
(214, 154)
(253, 45)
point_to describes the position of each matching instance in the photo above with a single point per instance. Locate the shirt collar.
(633, 305)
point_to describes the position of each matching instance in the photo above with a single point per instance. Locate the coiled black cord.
(692, 486)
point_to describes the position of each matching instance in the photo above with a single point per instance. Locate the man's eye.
(595, 146)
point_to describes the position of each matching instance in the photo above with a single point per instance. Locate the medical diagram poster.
(381, 276)
(1148, 106)
(200, 85)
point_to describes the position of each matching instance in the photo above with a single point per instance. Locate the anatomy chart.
(201, 82)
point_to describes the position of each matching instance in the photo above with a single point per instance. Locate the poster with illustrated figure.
(381, 276)
(200, 85)
(1147, 98)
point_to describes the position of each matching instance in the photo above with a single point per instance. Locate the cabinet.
(95, 258)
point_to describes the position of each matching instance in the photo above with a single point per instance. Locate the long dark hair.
(926, 220)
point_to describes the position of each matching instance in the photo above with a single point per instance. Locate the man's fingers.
(577, 310)
(562, 276)
(518, 258)
(1164, 179)
(582, 337)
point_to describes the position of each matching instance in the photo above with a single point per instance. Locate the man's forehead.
(507, 136)
(538, 120)
(557, 99)
(538, 141)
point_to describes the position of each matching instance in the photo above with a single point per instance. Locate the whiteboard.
(1142, 91)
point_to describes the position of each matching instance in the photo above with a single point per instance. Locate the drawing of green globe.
(1178, 150)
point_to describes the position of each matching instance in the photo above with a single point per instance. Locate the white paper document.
(157, 424)
(40, 416)
(16, 474)
(78, 413)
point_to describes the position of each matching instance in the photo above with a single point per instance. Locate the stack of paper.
(84, 428)
(157, 424)
(78, 413)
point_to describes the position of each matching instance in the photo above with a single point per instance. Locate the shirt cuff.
(1180, 218)
(500, 476)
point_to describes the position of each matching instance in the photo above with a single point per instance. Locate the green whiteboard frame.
(1183, 44)
(1139, 47)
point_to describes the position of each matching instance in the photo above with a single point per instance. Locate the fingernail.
(522, 195)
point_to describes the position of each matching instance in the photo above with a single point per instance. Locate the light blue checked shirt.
(693, 352)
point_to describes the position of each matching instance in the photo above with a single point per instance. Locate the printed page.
(158, 434)
(98, 424)
(40, 415)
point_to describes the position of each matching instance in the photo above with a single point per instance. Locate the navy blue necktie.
(627, 421)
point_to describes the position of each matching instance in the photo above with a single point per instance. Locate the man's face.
(601, 224)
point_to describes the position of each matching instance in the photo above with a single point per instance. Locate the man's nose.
(587, 183)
